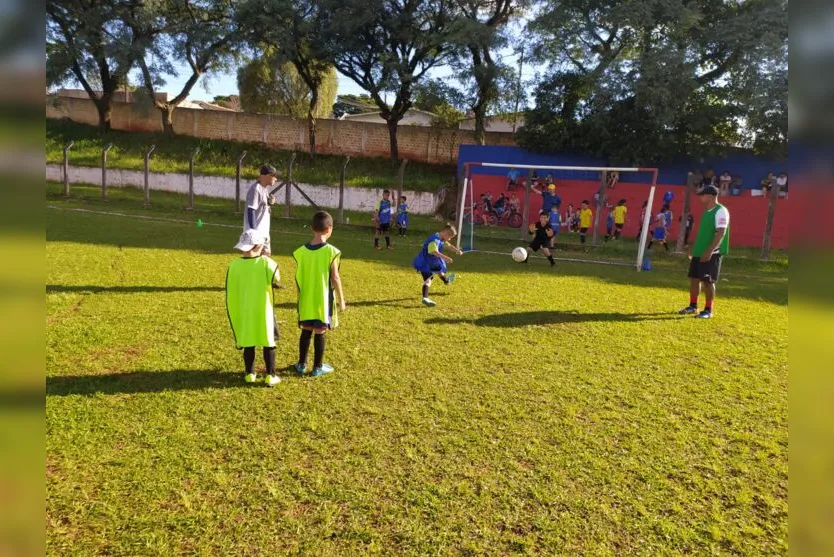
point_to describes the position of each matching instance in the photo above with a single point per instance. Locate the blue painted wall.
(751, 168)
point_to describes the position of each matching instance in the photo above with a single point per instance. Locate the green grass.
(218, 158)
(564, 412)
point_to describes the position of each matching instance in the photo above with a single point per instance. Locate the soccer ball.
(519, 255)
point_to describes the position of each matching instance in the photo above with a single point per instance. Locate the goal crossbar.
(546, 167)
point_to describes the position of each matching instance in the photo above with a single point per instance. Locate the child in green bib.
(318, 280)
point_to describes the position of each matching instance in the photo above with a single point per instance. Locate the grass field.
(532, 411)
(218, 158)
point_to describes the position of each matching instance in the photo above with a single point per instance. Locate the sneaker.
(706, 314)
(251, 378)
(300, 368)
(450, 278)
(429, 303)
(688, 310)
(323, 370)
(272, 380)
(390, 247)
(378, 248)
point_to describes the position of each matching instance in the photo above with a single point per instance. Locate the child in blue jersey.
(402, 216)
(432, 261)
(555, 220)
(659, 233)
(609, 224)
(383, 215)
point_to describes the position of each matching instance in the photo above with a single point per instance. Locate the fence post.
(237, 181)
(289, 185)
(194, 154)
(67, 147)
(600, 204)
(771, 213)
(104, 171)
(342, 191)
(147, 202)
(525, 215)
(400, 180)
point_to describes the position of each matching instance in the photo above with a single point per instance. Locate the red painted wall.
(747, 214)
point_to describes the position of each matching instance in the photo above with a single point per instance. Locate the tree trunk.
(771, 213)
(480, 123)
(167, 112)
(104, 114)
(311, 121)
(392, 136)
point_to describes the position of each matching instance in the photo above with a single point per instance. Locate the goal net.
(498, 202)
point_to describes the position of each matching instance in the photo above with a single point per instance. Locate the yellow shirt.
(620, 214)
(585, 218)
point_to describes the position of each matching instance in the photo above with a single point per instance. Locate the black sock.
(388, 240)
(403, 232)
(650, 245)
(666, 245)
(550, 258)
(249, 359)
(304, 345)
(318, 351)
(269, 359)
(376, 242)
(444, 279)
(582, 238)
(425, 291)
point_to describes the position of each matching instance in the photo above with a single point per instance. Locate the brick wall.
(333, 137)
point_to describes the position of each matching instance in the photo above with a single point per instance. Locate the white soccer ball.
(519, 255)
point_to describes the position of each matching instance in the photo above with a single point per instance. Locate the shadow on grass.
(141, 382)
(55, 288)
(395, 302)
(528, 318)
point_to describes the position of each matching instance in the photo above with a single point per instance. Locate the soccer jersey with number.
(712, 219)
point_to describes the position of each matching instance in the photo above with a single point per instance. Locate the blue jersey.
(667, 218)
(609, 221)
(426, 262)
(550, 200)
(402, 214)
(384, 210)
(555, 219)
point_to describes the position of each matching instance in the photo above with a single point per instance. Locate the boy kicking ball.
(542, 232)
(249, 305)
(318, 280)
(431, 260)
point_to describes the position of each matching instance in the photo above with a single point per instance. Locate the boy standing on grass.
(382, 217)
(318, 281)
(659, 234)
(620, 212)
(432, 261)
(258, 203)
(586, 218)
(402, 217)
(249, 305)
(555, 221)
(712, 243)
(542, 232)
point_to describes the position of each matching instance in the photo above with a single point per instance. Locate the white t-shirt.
(257, 199)
(782, 180)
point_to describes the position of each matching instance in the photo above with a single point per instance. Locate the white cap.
(249, 239)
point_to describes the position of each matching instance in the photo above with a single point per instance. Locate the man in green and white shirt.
(712, 242)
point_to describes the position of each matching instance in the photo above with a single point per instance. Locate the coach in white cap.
(258, 202)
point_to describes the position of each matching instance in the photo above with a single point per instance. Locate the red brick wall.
(333, 137)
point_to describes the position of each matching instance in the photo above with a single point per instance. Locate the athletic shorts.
(384, 226)
(619, 226)
(537, 244)
(583, 230)
(659, 234)
(706, 272)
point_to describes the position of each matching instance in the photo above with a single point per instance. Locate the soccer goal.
(516, 189)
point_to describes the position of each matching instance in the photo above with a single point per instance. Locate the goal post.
(468, 212)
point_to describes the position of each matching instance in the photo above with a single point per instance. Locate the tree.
(388, 46)
(203, 34)
(353, 104)
(431, 94)
(292, 28)
(270, 86)
(88, 42)
(641, 81)
(228, 101)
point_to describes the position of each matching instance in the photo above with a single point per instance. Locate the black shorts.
(537, 244)
(705, 272)
(619, 226)
(583, 230)
(384, 227)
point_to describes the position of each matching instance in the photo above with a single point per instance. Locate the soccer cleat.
(390, 247)
(251, 378)
(300, 368)
(706, 314)
(323, 370)
(272, 380)
(378, 248)
(429, 303)
(450, 278)
(688, 310)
